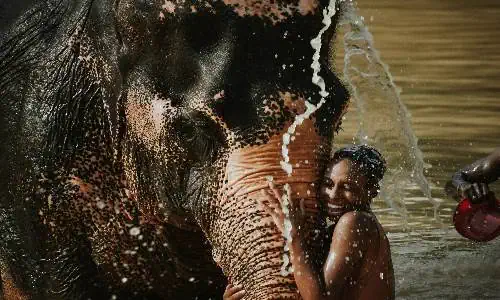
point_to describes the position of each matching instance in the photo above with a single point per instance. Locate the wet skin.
(358, 264)
(472, 181)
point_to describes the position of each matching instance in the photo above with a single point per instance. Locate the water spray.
(379, 105)
(328, 13)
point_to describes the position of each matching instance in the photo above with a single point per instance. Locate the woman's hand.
(233, 292)
(271, 203)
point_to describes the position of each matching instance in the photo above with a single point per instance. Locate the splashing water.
(328, 13)
(384, 119)
(287, 228)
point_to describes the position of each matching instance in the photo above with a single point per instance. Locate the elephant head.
(193, 101)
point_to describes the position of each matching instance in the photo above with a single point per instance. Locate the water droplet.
(134, 231)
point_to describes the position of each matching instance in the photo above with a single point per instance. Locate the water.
(444, 56)
(328, 13)
(384, 121)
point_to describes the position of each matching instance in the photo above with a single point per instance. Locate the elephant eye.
(201, 137)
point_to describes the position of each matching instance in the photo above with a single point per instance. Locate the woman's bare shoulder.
(359, 220)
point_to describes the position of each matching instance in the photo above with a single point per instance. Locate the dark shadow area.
(10, 10)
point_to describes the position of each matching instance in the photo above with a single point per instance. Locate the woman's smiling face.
(343, 188)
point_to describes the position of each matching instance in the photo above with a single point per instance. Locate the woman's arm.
(309, 282)
(354, 233)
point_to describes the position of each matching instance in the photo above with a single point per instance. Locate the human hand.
(271, 203)
(233, 292)
(474, 191)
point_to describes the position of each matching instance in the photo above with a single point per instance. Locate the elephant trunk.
(247, 244)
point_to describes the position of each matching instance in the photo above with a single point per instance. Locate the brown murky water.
(445, 55)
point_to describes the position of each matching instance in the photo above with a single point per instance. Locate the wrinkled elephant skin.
(157, 124)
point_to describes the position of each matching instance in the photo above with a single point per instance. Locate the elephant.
(136, 139)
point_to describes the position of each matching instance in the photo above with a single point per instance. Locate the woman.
(358, 265)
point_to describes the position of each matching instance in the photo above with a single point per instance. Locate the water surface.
(445, 57)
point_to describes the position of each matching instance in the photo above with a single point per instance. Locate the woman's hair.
(369, 160)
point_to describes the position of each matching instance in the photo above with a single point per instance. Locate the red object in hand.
(479, 222)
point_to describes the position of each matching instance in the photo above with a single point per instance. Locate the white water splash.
(287, 224)
(384, 119)
(288, 137)
(287, 230)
